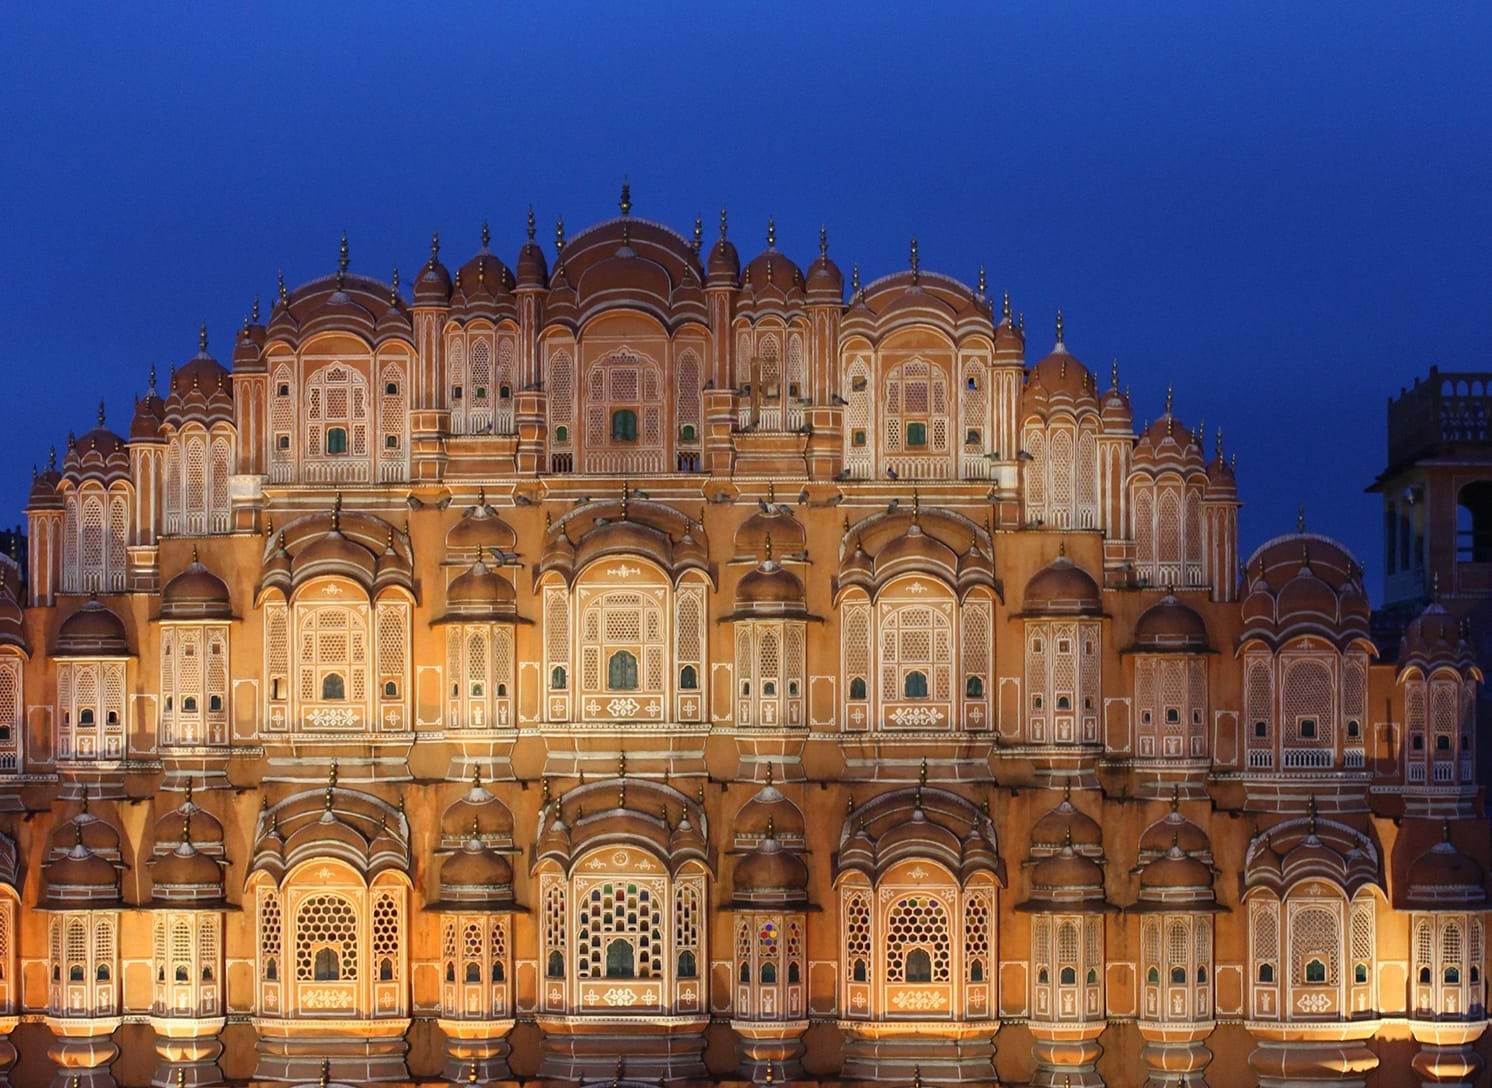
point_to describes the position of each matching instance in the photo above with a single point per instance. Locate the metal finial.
(342, 253)
(823, 241)
(1114, 373)
(486, 234)
(434, 247)
(699, 230)
(101, 412)
(855, 278)
(256, 309)
(394, 290)
(326, 1072)
(771, 232)
(1300, 518)
(1021, 324)
(530, 222)
(280, 287)
(337, 519)
(1059, 326)
(722, 222)
(981, 281)
(769, 548)
(769, 774)
(626, 202)
(916, 273)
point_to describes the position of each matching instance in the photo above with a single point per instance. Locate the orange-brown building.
(633, 665)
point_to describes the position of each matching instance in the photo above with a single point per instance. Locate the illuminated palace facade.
(633, 664)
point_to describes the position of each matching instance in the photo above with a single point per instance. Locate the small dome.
(1174, 829)
(770, 589)
(768, 811)
(1170, 626)
(1066, 873)
(80, 876)
(195, 593)
(432, 287)
(146, 424)
(724, 266)
(825, 280)
(480, 592)
(1306, 594)
(769, 870)
(92, 631)
(914, 548)
(475, 866)
(332, 552)
(477, 809)
(1062, 588)
(1174, 870)
(532, 269)
(1444, 878)
(1067, 824)
(1116, 412)
(43, 494)
(187, 868)
(482, 530)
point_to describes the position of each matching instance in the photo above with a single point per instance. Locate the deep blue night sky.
(1284, 210)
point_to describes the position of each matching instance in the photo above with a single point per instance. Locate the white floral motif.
(916, 587)
(623, 708)
(1313, 1003)
(918, 873)
(920, 715)
(331, 589)
(333, 718)
(919, 999)
(623, 571)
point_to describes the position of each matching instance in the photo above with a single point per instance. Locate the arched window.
(557, 678)
(916, 685)
(624, 425)
(1152, 976)
(327, 966)
(769, 973)
(858, 971)
(333, 687)
(336, 440)
(556, 968)
(1315, 971)
(473, 972)
(688, 678)
(621, 671)
(918, 966)
(619, 959)
(974, 688)
(857, 688)
(1068, 977)
(687, 964)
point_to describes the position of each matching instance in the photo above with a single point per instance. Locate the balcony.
(1307, 759)
(1448, 407)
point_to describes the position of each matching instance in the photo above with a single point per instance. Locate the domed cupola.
(1174, 828)
(724, 265)
(79, 879)
(150, 411)
(1434, 639)
(770, 591)
(771, 275)
(91, 631)
(248, 347)
(44, 494)
(1062, 588)
(532, 269)
(770, 875)
(1066, 825)
(1314, 586)
(825, 280)
(1222, 481)
(1010, 342)
(768, 807)
(196, 594)
(480, 533)
(432, 287)
(1066, 882)
(1170, 626)
(480, 595)
(476, 878)
(206, 829)
(915, 549)
(1059, 381)
(1442, 878)
(99, 455)
(1114, 408)
(477, 812)
(201, 391)
(185, 876)
(483, 286)
(1175, 881)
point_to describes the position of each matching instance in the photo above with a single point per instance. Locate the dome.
(770, 590)
(914, 548)
(334, 553)
(482, 530)
(99, 455)
(80, 876)
(1444, 878)
(1170, 626)
(769, 871)
(474, 867)
(787, 532)
(1305, 594)
(624, 277)
(1067, 875)
(532, 269)
(195, 593)
(201, 392)
(1434, 639)
(432, 287)
(92, 631)
(1062, 588)
(477, 810)
(149, 412)
(43, 494)
(187, 868)
(1174, 870)
(825, 280)
(480, 592)
(768, 814)
(1116, 412)
(1174, 829)
(724, 266)
(771, 269)
(1067, 824)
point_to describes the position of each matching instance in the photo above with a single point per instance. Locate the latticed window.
(332, 662)
(619, 930)
(855, 640)
(916, 407)
(859, 451)
(977, 962)
(1308, 704)
(918, 943)
(624, 384)
(10, 713)
(687, 923)
(1316, 946)
(560, 384)
(387, 937)
(337, 419)
(554, 922)
(1258, 700)
(622, 647)
(326, 939)
(857, 938)
(916, 653)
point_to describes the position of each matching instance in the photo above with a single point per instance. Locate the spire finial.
(916, 272)
(342, 259)
(394, 289)
(1170, 397)
(769, 547)
(331, 785)
(280, 287)
(1176, 798)
(476, 776)
(1059, 325)
(52, 459)
(626, 202)
(981, 281)
(255, 310)
(486, 234)
(202, 338)
(823, 241)
(337, 512)
(530, 222)
(855, 278)
(1311, 808)
(1114, 374)
(434, 247)
(722, 222)
(186, 826)
(1005, 308)
(771, 232)
(559, 235)
(699, 233)
(1435, 585)
(1300, 518)
(101, 411)
(471, 1072)
(326, 1072)
(1219, 443)
(916, 1076)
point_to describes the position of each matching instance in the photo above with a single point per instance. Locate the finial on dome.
(471, 1072)
(922, 773)
(1445, 831)
(530, 222)
(621, 765)
(981, 281)
(101, 411)
(916, 272)
(855, 278)
(52, 459)
(626, 202)
(331, 785)
(769, 773)
(770, 1078)
(1114, 373)
(1062, 548)
(1059, 325)
(769, 547)
(771, 232)
(186, 825)
(280, 287)
(326, 1072)
(1176, 798)
(626, 495)
(1219, 443)
(722, 222)
(342, 258)
(1005, 307)
(486, 234)
(699, 232)
(1311, 809)
(434, 247)
(559, 235)
(544, 792)
(1170, 397)
(1020, 324)
(394, 289)
(255, 310)
(1435, 585)
(916, 1076)
(823, 241)
(1300, 518)
(337, 515)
